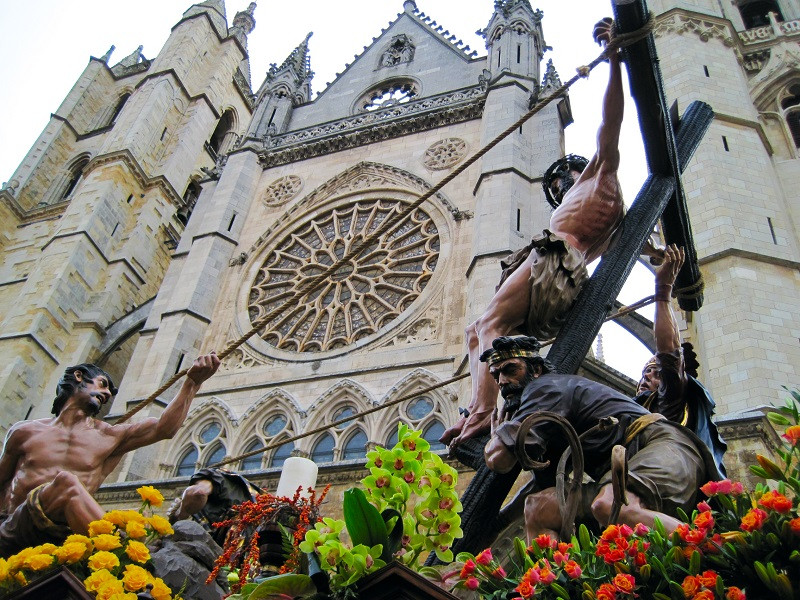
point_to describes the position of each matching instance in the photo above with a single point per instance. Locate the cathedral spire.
(243, 24)
(299, 59)
(107, 56)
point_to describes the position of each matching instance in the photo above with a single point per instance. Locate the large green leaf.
(395, 536)
(284, 587)
(364, 523)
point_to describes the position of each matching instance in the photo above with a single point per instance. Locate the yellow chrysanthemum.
(117, 517)
(45, 548)
(100, 526)
(77, 537)
(16, 561)
(70, 552)
(103, 560)
(39, 562)
(20, 577)
(135, 530)
(135, 578)
(4, 570)
(123, 596)
(161, 591)
(109, 589)
(137, 551)
(106, 541)
(161, 525)
(95, 581)
(150, 495)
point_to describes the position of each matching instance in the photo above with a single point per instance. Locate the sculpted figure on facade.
(50, 468)
(666, 462)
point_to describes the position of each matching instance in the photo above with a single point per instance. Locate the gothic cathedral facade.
(169, 204)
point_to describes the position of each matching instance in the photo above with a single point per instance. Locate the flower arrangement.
(112, 560)
(294, 515)
(409, 509)
(735, 544)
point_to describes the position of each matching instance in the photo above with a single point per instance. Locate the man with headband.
(668, 385)
(667, 463)
(50, 468)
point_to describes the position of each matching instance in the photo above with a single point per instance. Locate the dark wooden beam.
(599, 293)
(647, 90)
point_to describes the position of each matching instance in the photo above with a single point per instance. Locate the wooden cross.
(669, 148)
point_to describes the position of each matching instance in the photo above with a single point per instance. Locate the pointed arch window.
(791, 111)
(323, 449)
(281, 454)
(432, 433)
(356, 446)
(222, 138)
(252, 463)
(75, 174)
(216, 455)
(393, 438)
(419, 408)
(342, 413)
(188, 463)
(756, 12)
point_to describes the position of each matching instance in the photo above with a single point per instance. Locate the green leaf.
(520, 550)
(694, 563)
(660, 596)
(287, 586)
(761, 571)
(778, 419)
(659, 527)
(395, 536)
(583, 536)
(677, 591)
(364, 523)
(756, 470)
(560, 591)
(682, 515)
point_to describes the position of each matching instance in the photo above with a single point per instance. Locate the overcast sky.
(46, 44)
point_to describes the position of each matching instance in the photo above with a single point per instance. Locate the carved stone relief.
(444, 154)
(400, 50)
(282, 190)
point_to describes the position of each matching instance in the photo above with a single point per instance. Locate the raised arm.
(167, 425)
(665, 327)
(613, 105)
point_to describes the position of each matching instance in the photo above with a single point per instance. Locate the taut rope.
(313, 283)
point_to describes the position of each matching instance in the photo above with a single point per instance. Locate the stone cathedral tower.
(743, 58)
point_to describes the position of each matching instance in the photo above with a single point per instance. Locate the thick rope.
(691, 291)
(338, 422)
(314, 282)
(620, 313)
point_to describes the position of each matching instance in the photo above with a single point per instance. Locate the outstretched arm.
(613, 105)
(166, 426)
(665, 327)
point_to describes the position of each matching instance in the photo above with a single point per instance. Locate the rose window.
(362, 295)
(392, 94)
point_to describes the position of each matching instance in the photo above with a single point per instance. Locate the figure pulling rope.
(540, 282)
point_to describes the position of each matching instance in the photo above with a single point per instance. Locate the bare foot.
(477, 424)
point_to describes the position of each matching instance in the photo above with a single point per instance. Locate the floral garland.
(736, 544)
(112, 560)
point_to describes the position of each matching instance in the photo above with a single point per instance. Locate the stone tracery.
(444, 154)
(363, 295)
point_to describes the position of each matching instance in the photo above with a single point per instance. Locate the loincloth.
(557, 276)
(28, 525)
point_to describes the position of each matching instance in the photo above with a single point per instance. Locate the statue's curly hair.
(67, 385)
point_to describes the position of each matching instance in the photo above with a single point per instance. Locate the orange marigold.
(690, 586)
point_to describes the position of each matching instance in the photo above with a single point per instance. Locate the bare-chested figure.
(50, 468)
(538, 288)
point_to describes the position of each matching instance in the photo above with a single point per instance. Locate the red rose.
(485, 557)
(624, 583)
(472, 583)
(734, 593)
(468, 569)
(606, 592)
(690, 586)
(753, 520)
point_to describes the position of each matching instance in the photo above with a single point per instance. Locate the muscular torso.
(590, 212)
(44, 449)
